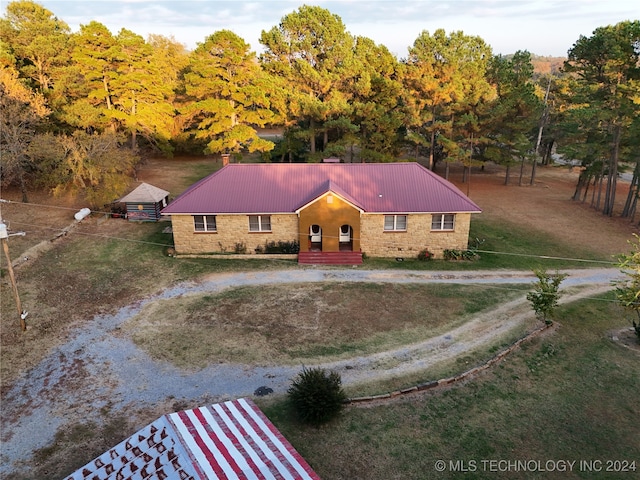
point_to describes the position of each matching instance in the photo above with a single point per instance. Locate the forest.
(80, 110)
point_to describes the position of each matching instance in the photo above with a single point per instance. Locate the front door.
(346, 238)
(315, 238)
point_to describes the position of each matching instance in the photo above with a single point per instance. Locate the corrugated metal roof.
(145, 193)
(284, 188)
(230, 440)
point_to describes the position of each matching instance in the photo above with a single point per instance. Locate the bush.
(316, 395)
(425, 255)
(455, 254)
(281, 247)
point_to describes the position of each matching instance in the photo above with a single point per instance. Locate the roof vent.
(331, 160)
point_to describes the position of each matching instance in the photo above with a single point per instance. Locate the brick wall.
(375, 242)
(232, 230)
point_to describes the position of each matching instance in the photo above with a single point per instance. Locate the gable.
(331, 190)
(145, 193)
(285, 188)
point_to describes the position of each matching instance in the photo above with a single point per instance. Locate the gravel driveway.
(97, 369)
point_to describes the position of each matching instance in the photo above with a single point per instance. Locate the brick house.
(331, 209)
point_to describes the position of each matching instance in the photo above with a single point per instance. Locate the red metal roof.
(230, 440)
(284, 188)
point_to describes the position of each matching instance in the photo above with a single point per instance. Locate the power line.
(2, 200)
(109, 237)
(526, 255)
(301, 235)
(486, 285)
(547, 257)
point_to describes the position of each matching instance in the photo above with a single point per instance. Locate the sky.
(543, 27)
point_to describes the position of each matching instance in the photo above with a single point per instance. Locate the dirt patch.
(547, 207)
(299, 323)
(627, 338)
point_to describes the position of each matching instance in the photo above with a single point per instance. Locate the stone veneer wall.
(375, 242)
(231, 230)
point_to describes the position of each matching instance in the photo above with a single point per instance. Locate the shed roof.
(284, 188)
(145, 193)
(222, 441)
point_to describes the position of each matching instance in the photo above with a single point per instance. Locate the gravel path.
(97, 369)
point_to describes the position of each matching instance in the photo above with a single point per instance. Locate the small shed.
(227, 440)
(145, 202)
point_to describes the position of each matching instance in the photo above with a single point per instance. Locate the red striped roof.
(284, 188)
(231, 440)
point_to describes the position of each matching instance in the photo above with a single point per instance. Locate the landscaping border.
(443, 382)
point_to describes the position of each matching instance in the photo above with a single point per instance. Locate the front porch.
(330, 258)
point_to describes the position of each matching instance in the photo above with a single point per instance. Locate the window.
(395, 223)
(259, 223)
(204, 223)
(442, 221)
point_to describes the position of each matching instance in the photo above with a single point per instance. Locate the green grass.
(572, 395)
(199, 171)
(506, 246)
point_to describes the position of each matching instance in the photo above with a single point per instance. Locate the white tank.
(82, 214)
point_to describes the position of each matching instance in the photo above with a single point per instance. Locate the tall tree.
(140, 94)
(93, 165)
(37, 39)
(170, 58)
(514, 113)
(22, 112)
(378, 105)
(442, 73)
(606, 93)
(89, 89)
(313, 51)
(631, 202)
(230, 95)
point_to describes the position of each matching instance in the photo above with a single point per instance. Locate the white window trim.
(260, 228)
(395, 224)
(441, 227)
(205, 223)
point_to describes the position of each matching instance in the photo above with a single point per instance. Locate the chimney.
(225, 159)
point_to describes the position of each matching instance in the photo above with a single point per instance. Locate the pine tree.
(229, 95)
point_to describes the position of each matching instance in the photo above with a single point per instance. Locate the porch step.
(330, 258)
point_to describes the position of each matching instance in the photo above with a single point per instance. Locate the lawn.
(294, 324)
(569, 396)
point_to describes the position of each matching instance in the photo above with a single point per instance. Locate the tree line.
(79, 109)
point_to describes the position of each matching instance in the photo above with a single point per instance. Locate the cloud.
(545, 27)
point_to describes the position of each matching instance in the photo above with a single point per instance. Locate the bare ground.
(547, 206)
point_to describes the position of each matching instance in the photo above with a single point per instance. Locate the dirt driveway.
(98, 370)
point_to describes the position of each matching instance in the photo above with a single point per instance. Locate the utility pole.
(5, 246)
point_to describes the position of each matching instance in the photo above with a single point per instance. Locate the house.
(145, 203)
(228, 440)
(330, 209)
